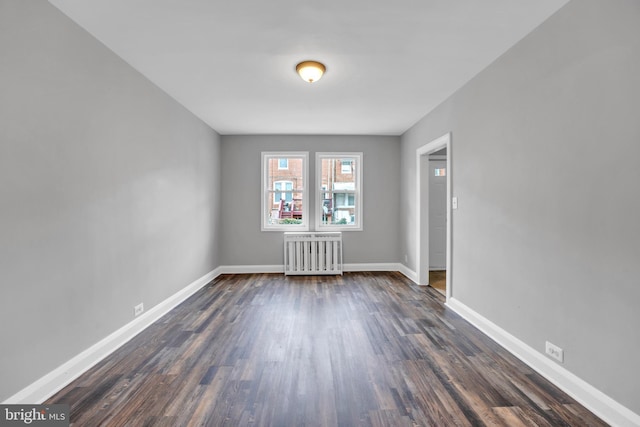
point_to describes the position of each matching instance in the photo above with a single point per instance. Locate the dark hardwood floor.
(364, 349)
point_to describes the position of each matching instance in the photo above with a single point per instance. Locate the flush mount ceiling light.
(310, 71)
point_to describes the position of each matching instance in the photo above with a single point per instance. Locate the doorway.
(433, 166)
(437, 171)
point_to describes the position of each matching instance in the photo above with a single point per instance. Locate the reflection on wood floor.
(363, 349)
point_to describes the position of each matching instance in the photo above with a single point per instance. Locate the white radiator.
(313, 253)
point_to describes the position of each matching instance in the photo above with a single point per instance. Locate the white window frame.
(269, 193)
(357, 192)
(280, 167)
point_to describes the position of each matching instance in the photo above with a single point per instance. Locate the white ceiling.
(232, 62)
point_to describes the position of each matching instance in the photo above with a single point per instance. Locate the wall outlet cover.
(138, 309)
(554, 351)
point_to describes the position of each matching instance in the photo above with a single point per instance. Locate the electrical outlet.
(554, 351)
(138, 309)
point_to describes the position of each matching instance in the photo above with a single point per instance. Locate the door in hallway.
(437, 214)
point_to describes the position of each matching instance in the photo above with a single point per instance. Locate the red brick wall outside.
(332, 172)
(293, 173)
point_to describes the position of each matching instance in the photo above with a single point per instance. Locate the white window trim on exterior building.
(267, 193)
(357, 192)
(281, 190)
(346, 166)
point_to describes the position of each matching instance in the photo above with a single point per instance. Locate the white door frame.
(422, 237)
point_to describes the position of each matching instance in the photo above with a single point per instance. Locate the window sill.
(286, 228)
(339, 228)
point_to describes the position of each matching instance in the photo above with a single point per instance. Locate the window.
(339, 191)
(346, 166)
(284, 191)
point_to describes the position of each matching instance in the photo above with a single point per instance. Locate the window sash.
(275, 188)
(346, 203)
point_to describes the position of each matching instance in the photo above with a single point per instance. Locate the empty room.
(348, 213)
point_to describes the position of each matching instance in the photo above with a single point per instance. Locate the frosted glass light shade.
(310, 71)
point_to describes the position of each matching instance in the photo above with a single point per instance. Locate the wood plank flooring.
(363, 349)
(438, 280)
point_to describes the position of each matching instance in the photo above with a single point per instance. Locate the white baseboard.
(249, 269)
(408, 273)
(590, 397)
(57, 379)
(380, 266)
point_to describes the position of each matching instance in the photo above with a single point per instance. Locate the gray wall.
(109, 192)
(241, 238)
(545, 149)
